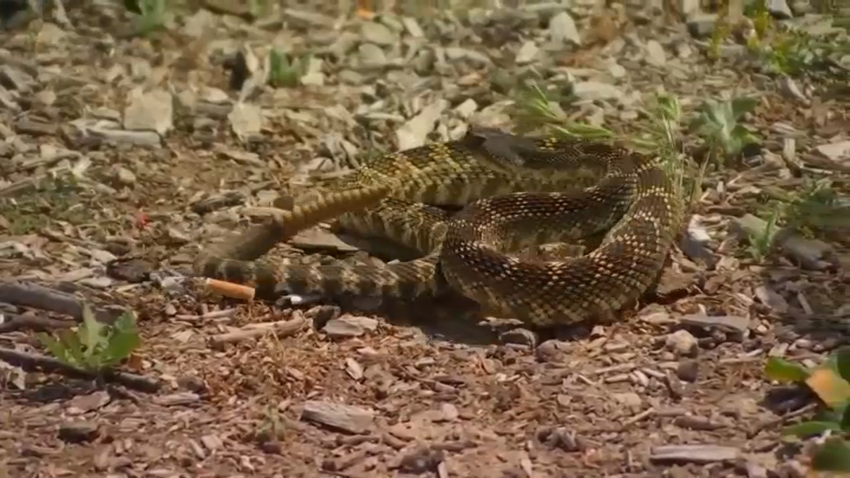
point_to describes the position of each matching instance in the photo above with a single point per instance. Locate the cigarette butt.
(229, 289)
(364, 10)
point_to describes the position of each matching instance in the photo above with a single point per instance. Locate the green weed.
(717, 124)
(93, 346)
(761, 243)
(286, 71)
(831, 382)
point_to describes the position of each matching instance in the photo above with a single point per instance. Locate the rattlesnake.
(514, 192)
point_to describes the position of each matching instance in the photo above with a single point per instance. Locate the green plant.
(662, 137)
(722, 30)
(47, 199)
(152, 14)
(817, 206)
(717, 123)
(789, 51)
(534, 108)
(93, 346)
(831, 382)
(259, 8)
(761, 243)
(815, 209)
(285, 71)
(271, 427)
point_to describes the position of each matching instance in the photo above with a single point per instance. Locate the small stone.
(180, 398)
(378, 34)
(371, 56)
(701, 25)
(149, 111)
(655, 54)
(349, 326)
(772, 299)
(689, 7)
(616, 70)
(79, 432)
(683, 343)
(123, 176)
(688, 370)
(733, 324)
(700, 454)
(307, 18)
(448, 412)
(552, 350)
(16, 79)
(835, 151)
(117, 136)
(412, 27)
(562, 28)
(628, 399)
(420, 460)
(738, 406)
(594, 90)
(519, 336)
(85, 403)
(780, 9)
(527, 53)
(342, 417)
(246, 120)
(415, 131)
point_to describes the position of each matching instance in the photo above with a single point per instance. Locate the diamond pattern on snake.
(514, 193)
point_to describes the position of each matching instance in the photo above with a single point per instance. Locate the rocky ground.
(126, 148)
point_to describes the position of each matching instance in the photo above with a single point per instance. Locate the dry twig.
(35, 362)
(281, 328)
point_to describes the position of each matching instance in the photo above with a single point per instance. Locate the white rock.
(562, 28)
(835, 151)
(526, 53)
(655, 54)
(595, 90)
(151, 111)
(683, 343)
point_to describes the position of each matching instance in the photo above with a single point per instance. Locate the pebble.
(683, 343)
(655, 54)
(349, 326)
(378, 34)
(371, 56)
(562, 29)
(527, 53)
(347, 418)
(688, 370)
(594, 90)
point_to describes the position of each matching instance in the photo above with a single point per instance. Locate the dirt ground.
(108, 193)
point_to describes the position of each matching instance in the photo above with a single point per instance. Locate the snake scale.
(513, 192)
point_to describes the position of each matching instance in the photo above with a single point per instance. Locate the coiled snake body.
(516, 192)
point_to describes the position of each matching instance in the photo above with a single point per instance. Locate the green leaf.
(70, 340)
(785, 371)
(122, 341)
(834, 455)
(743, 105)
(845, 419)
(91, 335)
(807, 429)
(842, 362)
(53, 346)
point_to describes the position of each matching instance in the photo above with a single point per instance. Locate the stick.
(35, 362)
(32, 322)
(283, 328)
(36, 296)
